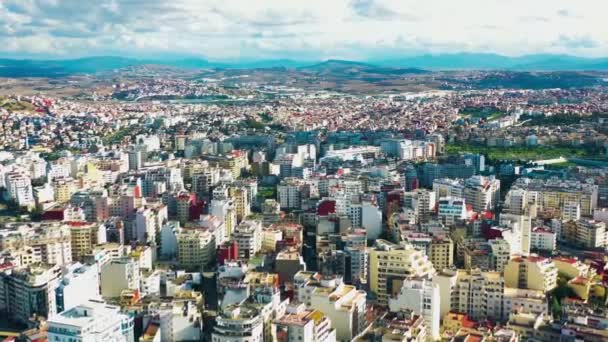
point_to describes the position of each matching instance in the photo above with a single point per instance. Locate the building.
(404, 326)
(248, 236)
(195, 249)
(178, 316)
(420, 296)
(31, 243)
(532, 273)
(28, 292)
(118, 275)
(451, 210)
(290, 193)
(19, 189)
(239, 323)
(543, 239)
(93, 321)
(299, 324)
(571, 211)
(473, 292)
(344, 305)
(556, 193)
(520, 300)
(79, 284)
(572, 268)
(84, 236)
(390, 264)
(184, 202)
(586, 233)
(288, 262)
(441, 252)
(482, 193)
(241, 202)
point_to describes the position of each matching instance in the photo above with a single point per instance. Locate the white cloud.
(312, 29)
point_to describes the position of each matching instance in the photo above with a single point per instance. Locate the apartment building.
(390, 264)
(531, 272)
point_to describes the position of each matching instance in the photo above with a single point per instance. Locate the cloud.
(576, 42)
(317, 29)
(373, 9)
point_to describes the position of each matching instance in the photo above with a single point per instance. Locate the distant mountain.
(351, 67)
(471, 61)
(394, 66)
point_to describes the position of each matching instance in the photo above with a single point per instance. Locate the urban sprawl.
(173, 210)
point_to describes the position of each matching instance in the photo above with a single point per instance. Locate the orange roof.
(566, 260)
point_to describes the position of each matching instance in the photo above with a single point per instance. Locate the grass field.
(521, 153)
(15, 106)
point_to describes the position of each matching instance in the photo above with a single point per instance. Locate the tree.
(556, 308)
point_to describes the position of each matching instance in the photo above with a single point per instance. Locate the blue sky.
(305, 30)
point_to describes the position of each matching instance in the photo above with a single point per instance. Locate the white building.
(239, 324)
(299, 324)
(478, 294)
(94, 321)
(168, 240)
(289, 193)
(422, 297)
(79, 284)
(571, 211)
(543, 239)
(345, 307)
(248, 236)
(521, 226)
(451, 210)
(483, 193)
(19, 189)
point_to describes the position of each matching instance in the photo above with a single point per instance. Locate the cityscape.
(303, 171)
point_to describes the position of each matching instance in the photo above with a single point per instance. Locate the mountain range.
(405, 64)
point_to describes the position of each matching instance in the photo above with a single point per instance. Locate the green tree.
(556, 308)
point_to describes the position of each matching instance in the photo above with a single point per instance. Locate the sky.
(301, 30)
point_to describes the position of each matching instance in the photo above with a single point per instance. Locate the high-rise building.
(79, 284)
(390, 264)
(248, 236)
(476, 293)
(482, 193)
(451, 210)
(26, 293)
(556, 193)
(441, 252)
(118, 275)
(84, 237)
(422, 297)
(290, 193)
(195, 249)
(241, 201)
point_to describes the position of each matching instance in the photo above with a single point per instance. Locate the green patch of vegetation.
(251, 123)
(15, 106)
(520, 152)
(559, 119)
(486, 113)
(50, 156)
(560, 166)
(117, 136)
(267, 192)
(559, 293)
(265, 117)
